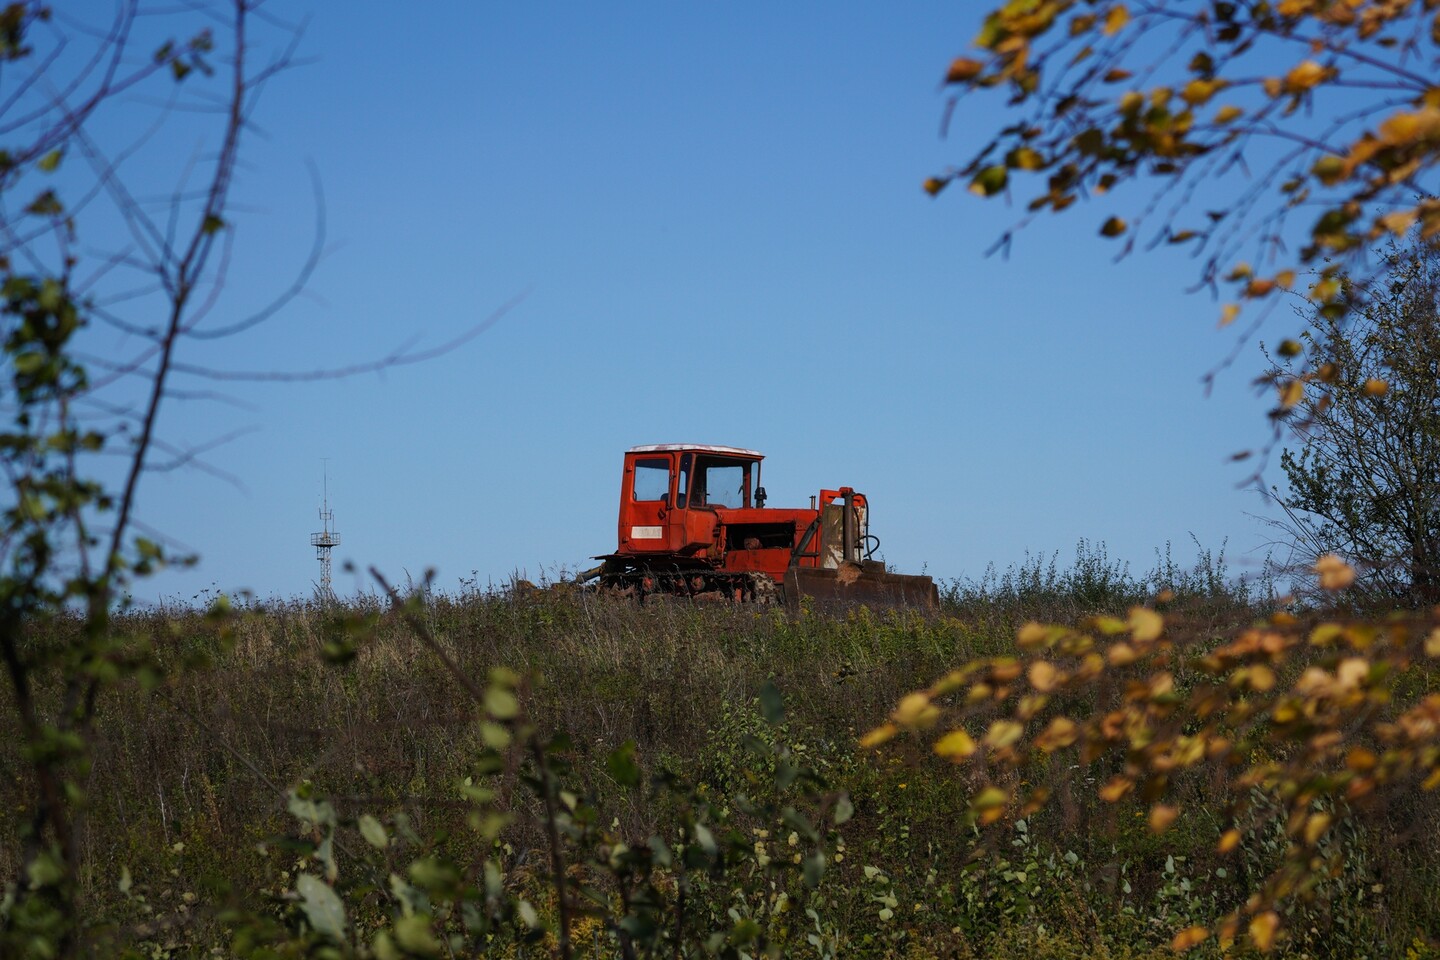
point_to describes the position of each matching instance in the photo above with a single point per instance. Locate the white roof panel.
(696, 447)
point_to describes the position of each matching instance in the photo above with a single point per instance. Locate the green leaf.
(212, 224)
(786, 772)
(414, 935)
(814, 869)
(772, 704)
(494, 736)
(322, 906)
(660, 852)
(46, 869)
(501, 703)
(50, 161)
(384, 947)
(434, 874)
(798, 822)
(373, 832)
(622, 766)
(312, 812)
(744, 931)
(990, 181)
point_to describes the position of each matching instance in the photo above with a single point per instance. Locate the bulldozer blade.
(853, 584)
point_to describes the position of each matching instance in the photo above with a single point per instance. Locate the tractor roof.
(697, 448)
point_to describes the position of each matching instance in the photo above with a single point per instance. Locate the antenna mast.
(325, 539)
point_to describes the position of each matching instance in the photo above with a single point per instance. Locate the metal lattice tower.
(326, 539)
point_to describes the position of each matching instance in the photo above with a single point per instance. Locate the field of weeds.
(293, 738)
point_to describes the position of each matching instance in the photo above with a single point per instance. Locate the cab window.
(720, 483)
(652, 479)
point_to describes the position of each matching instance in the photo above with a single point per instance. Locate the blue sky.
(713, 215)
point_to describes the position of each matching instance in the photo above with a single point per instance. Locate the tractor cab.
(671, 495)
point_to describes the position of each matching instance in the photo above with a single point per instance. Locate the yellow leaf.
(955, 745)
(1352, 672)
(1145, 624)
(1261, 677)
(1121, 654)
(1061, 732)
(1398, 222)
(949, 683)
(1032, 635)
(1116, 19)
(1326, 289)
(1225, 934)
(1110, 625)
(1403, 128)
(1004, 669)
(1115, 789)
(1291, 393)
(934, 185)
(1187, 938)
(1197, 92)
(991, 798)
(1285, 279)
(1306, 75)
(1376, 388)
(1228, 113)
(963, 69)
(915, 710)
(1361, 759)
(1025, 158)
(1228, 313)
(1262, 929)
(1003, 733)
(1229, 840)
(1042, 676)
(1432, 643)
(879, 735)
(1315, 827)
(1259, 287)
(1112, 227)
(1161, 816)
(1334, 573)
(1329, 169)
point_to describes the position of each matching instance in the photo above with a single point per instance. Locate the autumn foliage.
(1330, 718)
(1244, 117)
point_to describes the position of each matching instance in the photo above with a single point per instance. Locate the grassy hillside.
(193, 820)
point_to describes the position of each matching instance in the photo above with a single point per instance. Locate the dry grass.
(247, 712)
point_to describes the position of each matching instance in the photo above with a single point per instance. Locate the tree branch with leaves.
(1256, 124)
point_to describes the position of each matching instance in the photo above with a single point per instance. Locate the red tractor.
(693, 522)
